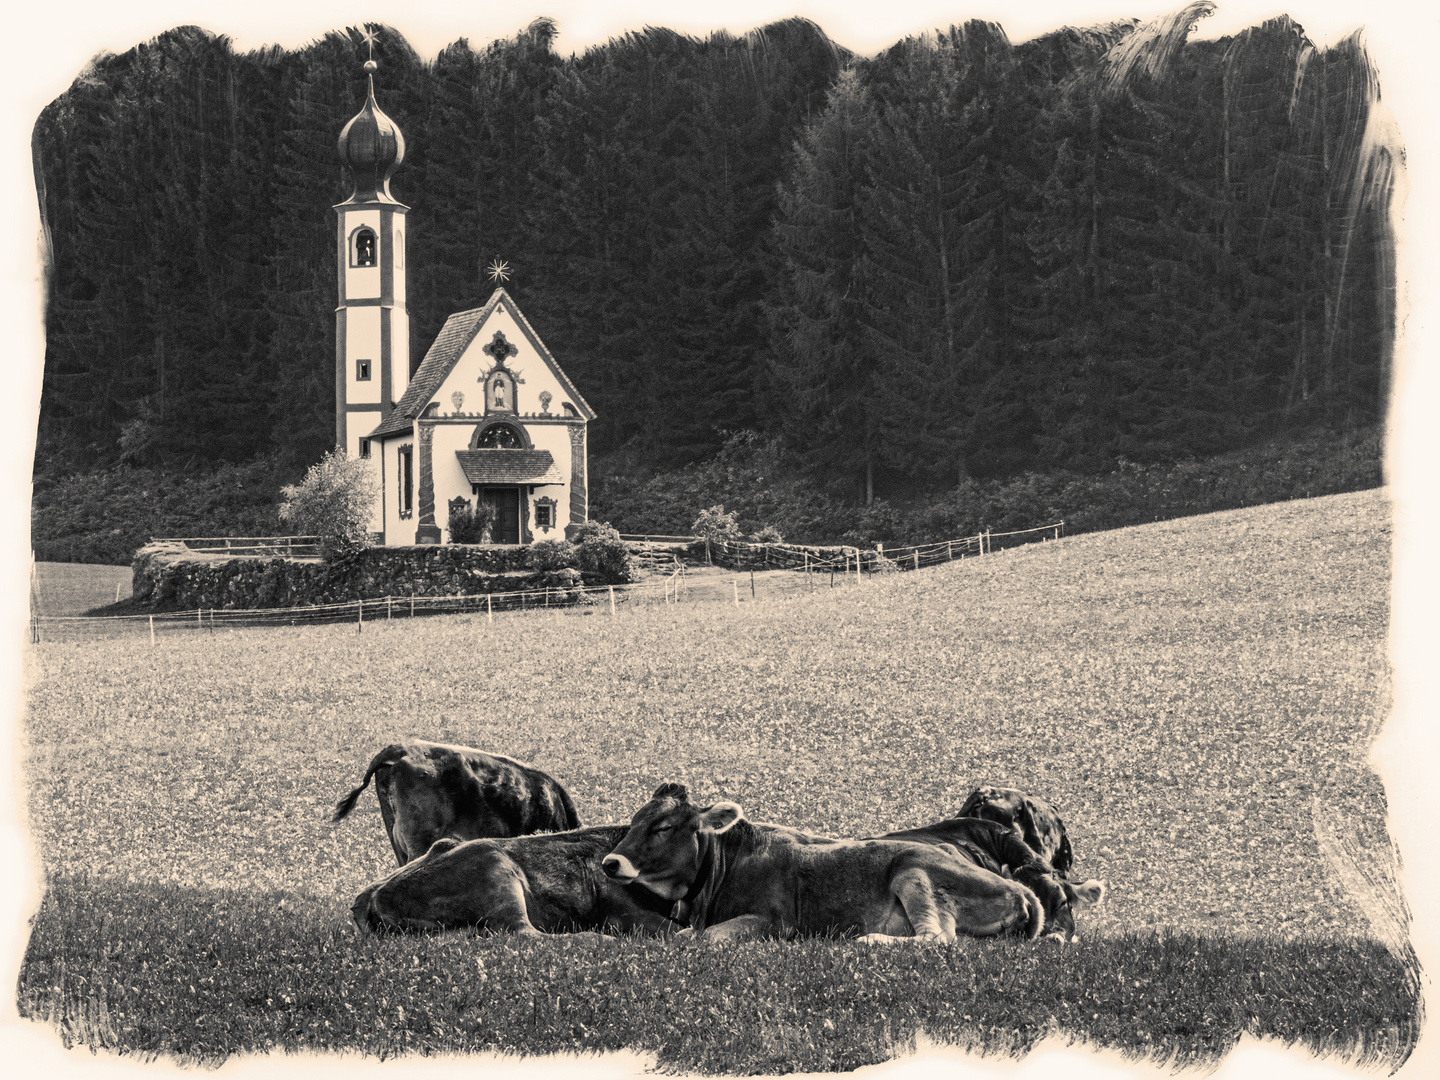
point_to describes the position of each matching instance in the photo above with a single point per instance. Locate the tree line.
(961, 258)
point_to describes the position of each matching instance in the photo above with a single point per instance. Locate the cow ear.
(1006, 872)
(720, 817)
(1090, 892)
(678, 792)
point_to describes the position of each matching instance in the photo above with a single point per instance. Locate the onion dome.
(371, 147)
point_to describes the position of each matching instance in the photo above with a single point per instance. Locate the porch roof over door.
(509, 467)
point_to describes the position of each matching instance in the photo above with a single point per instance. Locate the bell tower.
(372, 328)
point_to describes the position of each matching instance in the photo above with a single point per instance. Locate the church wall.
(399, 343)
(398, 234)
(397, 528)
(362, 342)
(450, 479)
(451, 482)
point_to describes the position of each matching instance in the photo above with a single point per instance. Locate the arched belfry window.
(499, 436)
(364, 248)
(399, 249)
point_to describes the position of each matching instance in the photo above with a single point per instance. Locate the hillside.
(1196, 697)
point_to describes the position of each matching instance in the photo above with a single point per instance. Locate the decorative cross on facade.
(499, 348)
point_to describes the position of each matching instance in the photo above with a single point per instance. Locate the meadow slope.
(1188, 693)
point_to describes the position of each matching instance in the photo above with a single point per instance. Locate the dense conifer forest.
(960, 260)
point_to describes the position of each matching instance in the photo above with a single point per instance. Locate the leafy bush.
(547, 556)
(335, 502)
(600, 551)
(766, 534)
(715, 524)
(593, 530)
(471, 524)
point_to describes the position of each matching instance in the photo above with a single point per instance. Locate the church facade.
(489, 417)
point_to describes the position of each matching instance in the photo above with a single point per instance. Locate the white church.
(489, 417)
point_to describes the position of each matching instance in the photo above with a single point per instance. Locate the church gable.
(488, 362)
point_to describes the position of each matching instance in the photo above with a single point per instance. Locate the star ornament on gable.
(498, 270)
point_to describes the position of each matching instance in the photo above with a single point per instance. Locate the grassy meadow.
(1197, 697)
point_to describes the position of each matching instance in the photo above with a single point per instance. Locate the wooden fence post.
(612, 600)
(359, 616)
(752, 585)
(152, 630)
(917, 558)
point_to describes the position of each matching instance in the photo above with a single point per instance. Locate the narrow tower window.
(362, 370)
(364, 448)
(362, 247)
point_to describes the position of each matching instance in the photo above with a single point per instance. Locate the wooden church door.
(506, 502)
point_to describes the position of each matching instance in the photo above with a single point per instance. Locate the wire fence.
(811, 569)
(290, 547)
(738, 555)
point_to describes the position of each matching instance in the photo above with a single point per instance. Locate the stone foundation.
(170, 577)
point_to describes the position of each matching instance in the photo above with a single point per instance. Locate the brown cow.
(429, 791)
(1034, 821)
(998, 849)
(735, 879)
(549, 883)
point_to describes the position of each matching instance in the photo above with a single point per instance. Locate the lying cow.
(997, 848)
(1033, 820)
(428, 791)
(550, 883)
(735, 879)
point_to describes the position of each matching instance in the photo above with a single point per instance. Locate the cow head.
(1052, 894)
(1033, 820)
(665, 845)
(1073, 897)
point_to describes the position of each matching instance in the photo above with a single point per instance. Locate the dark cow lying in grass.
(536, 885)
(737, 879)
(429, 791)
(1033, 820)
(997, 848)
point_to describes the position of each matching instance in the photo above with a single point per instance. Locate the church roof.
(509, 467)
(454, 338)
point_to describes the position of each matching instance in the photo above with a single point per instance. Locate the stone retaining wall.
(170, 577)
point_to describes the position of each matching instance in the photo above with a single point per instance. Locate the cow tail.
(385, 758)
(1034, 914)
